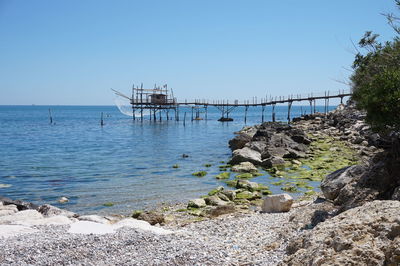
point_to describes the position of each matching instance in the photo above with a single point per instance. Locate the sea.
(119, 167)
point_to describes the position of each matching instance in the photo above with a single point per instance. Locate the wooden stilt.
(245, 113)
(101, 120)
(262, 113)
(289, 110)
(273, 112)
(315, 109)
(50, 117)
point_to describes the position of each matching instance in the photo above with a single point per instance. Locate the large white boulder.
(277, 203)
(22, 216)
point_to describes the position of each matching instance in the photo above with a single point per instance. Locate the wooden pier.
(161, 99)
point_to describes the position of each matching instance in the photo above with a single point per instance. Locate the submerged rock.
(63, 200)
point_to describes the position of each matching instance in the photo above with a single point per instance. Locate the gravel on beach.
(236, 239)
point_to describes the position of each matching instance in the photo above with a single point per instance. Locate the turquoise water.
(124, 162)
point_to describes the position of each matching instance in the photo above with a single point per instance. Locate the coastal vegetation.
(376, 78)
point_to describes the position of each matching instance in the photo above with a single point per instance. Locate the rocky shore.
(354, 220)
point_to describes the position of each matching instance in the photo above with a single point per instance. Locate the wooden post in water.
(184, 119)
(262, 113)
(50, 117)
(101, 120)
(160, 116)
(289, 109)
(150, 113)
(206, 107)
(154, 115)
(245, 113)
(315, 110)
(192, 113)
(327, 104)
(273, 112)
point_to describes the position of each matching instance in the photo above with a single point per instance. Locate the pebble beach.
(235, 239)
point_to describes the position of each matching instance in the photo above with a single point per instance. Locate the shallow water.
(124, 162)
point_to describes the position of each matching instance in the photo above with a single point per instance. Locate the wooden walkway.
(159, 99)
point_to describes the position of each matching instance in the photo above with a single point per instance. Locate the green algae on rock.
(224, 175)
(200, 173)
(245, 176)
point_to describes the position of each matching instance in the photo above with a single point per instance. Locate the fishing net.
(125, 107)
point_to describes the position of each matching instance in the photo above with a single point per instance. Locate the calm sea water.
(126, 163)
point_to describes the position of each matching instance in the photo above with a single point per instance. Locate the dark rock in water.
(151, 217)
(185, 156)
(273, 161)
(21, 205)
(274, 151)
(239, 141)
(225, 119)
(270, 139)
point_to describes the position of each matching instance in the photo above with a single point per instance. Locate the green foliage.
(175, 166)
(108, 204)
(376, 79)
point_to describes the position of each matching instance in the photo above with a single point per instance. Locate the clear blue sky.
(73, 52)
